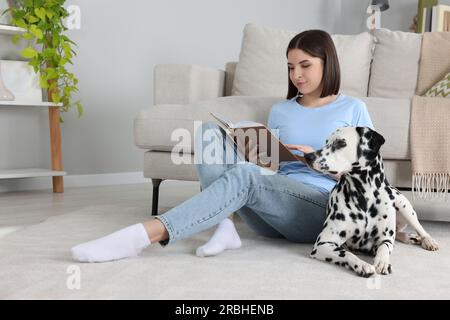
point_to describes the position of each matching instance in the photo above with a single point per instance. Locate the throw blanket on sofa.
(430, 122)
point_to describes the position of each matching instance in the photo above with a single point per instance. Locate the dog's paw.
(383, 267)
(365, 269)
(429, 243)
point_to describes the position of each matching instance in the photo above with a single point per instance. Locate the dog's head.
(346, 148)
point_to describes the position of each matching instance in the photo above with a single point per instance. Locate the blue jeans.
(273, 205)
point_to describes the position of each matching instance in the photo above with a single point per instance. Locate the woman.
(290, 204)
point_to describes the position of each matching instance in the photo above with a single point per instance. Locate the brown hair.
(318, 43)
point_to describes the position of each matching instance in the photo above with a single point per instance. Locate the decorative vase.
(5, 94)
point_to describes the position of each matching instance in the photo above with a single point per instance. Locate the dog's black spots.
(314, 252)
(389, 191)
(355, 266)
(357, 231)
(340, 216)
(366, 235)
(378, 201)
(353, 216)
(328, 259)
(376, 193)
(391, 233)
(373, 211)
(374, 231)
(385, 203)
(378, 182)
(342, 253)
(342, 234)
(337, 263)
(360, 216)
(355, 239)
(325, 225)
(413, 213)
(335, 207)
(363, 176)
(404, 206)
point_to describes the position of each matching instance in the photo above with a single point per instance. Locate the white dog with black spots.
(364, 212)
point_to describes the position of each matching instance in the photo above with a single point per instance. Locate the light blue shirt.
(301, 125)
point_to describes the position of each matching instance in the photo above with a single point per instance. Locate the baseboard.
(86, 180)
(73, 181)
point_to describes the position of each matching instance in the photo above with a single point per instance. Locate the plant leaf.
(29, 53)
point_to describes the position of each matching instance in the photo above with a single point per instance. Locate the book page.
(246, 124)
(230, 125)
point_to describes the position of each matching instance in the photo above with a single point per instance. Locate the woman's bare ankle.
(156, 231)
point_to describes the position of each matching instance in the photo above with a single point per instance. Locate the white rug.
(35, 263)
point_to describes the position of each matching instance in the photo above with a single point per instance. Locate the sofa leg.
(156, 183)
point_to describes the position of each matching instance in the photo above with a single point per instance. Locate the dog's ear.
(374, 141)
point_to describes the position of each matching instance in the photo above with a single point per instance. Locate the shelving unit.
(10, 30)
(27, 104)
(56, 171)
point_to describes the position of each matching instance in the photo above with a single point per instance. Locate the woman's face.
(305, 71)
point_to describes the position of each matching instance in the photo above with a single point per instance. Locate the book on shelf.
(440, 18)
(422, 14)
(256, 142)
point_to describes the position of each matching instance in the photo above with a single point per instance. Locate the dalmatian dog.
(364, 213)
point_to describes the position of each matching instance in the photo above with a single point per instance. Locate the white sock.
(225, 237)
(124, 243)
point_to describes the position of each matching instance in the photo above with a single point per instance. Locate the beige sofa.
(380, 69)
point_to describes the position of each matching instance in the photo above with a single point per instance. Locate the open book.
(257, 143)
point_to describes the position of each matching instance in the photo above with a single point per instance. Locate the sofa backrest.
(262, 68)
(383, 64)
(395, 64)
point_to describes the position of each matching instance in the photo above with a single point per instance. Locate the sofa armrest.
(185, 83)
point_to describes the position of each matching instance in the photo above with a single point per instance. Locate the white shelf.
(11, 30)
(28, 104)
(29, 173)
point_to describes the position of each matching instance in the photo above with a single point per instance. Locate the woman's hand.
(308, 149)
(299, 147)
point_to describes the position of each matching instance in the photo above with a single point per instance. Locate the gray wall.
(118, 47)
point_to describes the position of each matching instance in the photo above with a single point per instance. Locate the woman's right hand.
(299, 147)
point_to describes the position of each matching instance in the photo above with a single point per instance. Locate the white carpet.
(34, 264)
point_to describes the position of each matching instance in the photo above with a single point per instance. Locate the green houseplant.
(48, 49)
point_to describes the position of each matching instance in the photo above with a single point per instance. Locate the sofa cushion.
(440, 89)
(154, 126)
(262, 67)
(434, 64)
(391, 118)
(395, 64)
